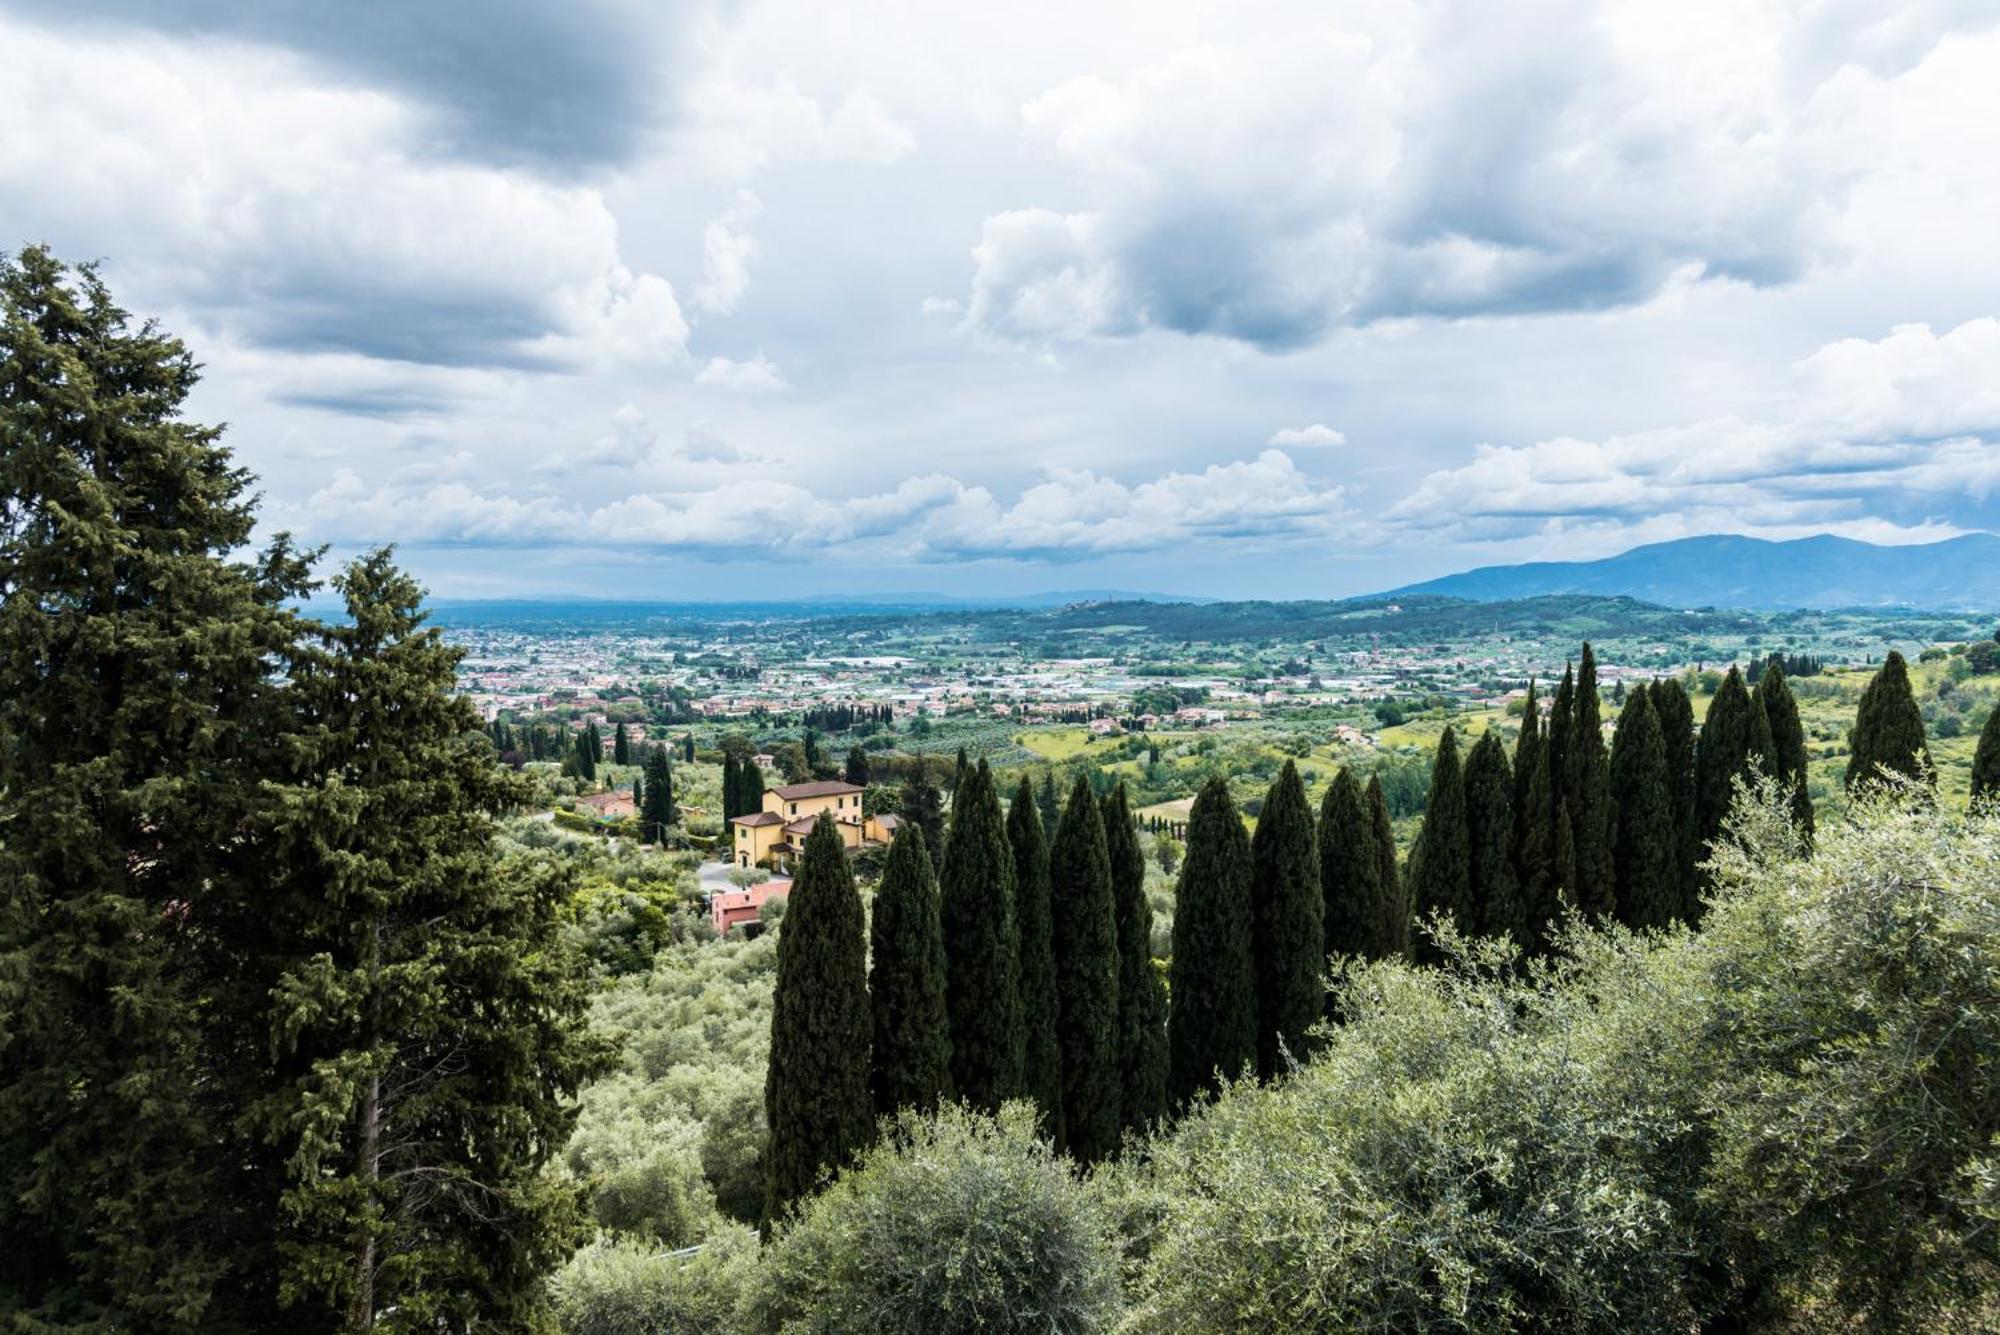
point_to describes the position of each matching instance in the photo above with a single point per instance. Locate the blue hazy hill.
(1724, 570)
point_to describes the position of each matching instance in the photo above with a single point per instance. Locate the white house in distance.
(774, 836)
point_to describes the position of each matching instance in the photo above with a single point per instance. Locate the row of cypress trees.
(1017, 968)
(742, 786)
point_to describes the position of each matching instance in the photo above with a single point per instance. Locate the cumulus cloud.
(1071, 514)
(1892, 432)
(758, 375)
(1319, 433)
(727, 248)
(1435, 158)
(303, 215)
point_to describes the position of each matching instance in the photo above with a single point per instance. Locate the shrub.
(957, 1222)
(615, 1287)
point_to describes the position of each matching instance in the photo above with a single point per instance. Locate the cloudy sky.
(809, 296)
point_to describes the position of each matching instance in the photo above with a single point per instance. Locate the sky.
(780, 298)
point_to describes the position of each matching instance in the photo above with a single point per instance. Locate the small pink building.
(733, 907)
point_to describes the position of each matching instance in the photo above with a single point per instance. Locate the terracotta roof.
(804, 825)
(793, 792)
(757, 818)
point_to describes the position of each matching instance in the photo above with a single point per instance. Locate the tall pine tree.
(1212, 1009)
(981, 947)
(1353, 918)
(428, 1024)
(1086, 955)
(1495, 889)
(1440, 863)
(817, 1106)
(1888, 733)
(910, 1060)
(1394, 899)
(1587, 789)
(141, 711)
(1788, 740)
(1142, 1000)
(1033, 911)
(1288, 937)
(1646, 848)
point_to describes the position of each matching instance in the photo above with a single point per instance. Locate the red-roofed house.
(733, 907)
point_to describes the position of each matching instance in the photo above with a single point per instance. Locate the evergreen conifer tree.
(981, 945)
(958, 774)
(429, 1026)
(732, 787)
(856, 768)
(1086, 955)
(1563, 868)
(1534, 829)
(1986, 760)
(621, 745)
(1353, 919)
(1588, 791)
(1287, 934)
(141, 716)
(1394, 931)
(1496, 905)
(817, 1108)
(750, 787)
(1727, 749)
(687, 749)
(1142, 1000)
(1646, 849)
(1676, 717)
(1562, 713)
(1033, 910)
(1788, 740)
(910, 1060)
(657, 812)
(1440, 863)
(1212, 997)
(1888, 730)
(922, 805)
(589, 746)
(1050, 803)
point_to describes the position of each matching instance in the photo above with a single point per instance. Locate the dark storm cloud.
(556, 85)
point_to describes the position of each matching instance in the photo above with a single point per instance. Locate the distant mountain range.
(1959, 574)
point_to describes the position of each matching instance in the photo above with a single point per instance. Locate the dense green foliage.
(1288, 940)
(910, 1061)
(1085, 922)
(1142, 998)
(1034, 915)
(1212, 1015)
(816, 1101)
(981, 945)
(922, 805)
(1888, 736)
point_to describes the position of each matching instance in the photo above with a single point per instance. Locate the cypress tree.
(1212, 997)
(428, 1024)
(1288, 936)
(816, 1100)
(1788, 740)
(657, 812)
(856, 769)
(1562, 714)
(1393, 930)
(687, 749)
(981, 945)
(1986, 760)
(910, 1060)
(732, 787)
(1888, 730)
(589, 746)
(1142, 1001)
(621, 745)
(1353, 918)
(958, 774)
(1727, 749)
(1676, 717)
(1563, 867)
(1440, 863)
(1588, 791)
(1496, 905)
(1042, 1059)
(922, 805)
(750, 787)
(1646, 850)
(1051, 806)
(1086, 955)
(1534, 830)
(140, 717)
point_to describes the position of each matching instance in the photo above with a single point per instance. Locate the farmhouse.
(774, 836)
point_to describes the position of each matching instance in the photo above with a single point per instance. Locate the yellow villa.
(773, 837)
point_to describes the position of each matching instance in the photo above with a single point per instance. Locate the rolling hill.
(1723, 570)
